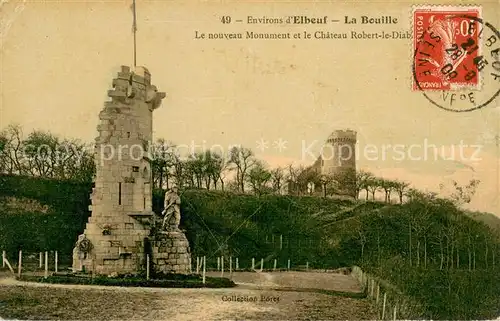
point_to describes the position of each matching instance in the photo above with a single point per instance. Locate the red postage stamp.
(446, 48)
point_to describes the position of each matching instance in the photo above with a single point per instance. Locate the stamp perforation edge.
(451, 7)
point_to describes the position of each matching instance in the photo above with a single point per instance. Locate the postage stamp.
(446, 44)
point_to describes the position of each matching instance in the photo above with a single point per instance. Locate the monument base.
(171, 253)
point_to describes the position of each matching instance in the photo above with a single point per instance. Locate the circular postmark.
(456, 62)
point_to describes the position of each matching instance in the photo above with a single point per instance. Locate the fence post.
(237, 264)
(373, 287)
(383, 306)
(261, 264)
(41, 260)
(281, 241)
(218, 263)
(46, 264)
(395, 309)
(253, 263)
(20, 263)
(275, 263)
(378, 293)
(230, 266)
(197, 265)
(55, 261)
(3, 259)
(204, 267)
(222, 266)
(307, 266)
(9, 266)
(147, 266)
(288, 264)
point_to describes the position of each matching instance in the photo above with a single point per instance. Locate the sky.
(281, 98)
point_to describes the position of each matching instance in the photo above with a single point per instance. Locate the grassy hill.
(445, 258)
(41, 214)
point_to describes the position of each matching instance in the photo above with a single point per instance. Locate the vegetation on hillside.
(52, 214)
(440, 255)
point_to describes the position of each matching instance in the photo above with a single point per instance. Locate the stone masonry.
(172, 254)
(119, 226)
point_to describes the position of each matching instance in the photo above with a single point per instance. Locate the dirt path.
(260, 297)
(295, 280)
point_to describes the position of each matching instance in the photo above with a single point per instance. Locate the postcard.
(257, 160)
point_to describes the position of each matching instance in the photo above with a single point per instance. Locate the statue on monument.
(172, 211)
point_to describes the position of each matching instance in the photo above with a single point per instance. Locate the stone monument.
(118, 236)
(172, 211)
(172, 251)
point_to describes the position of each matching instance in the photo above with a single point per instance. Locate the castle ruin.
(337, 157)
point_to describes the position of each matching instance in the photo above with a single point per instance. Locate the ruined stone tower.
(339, 152)
(338, 160)
(115, 235)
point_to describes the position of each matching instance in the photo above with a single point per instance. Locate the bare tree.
(388, 187)
(11, 154)
(400, 188)
(362, 241)
(162, 162)
(216, 168)
(40, 148)
(363, 179)
(277, 177)
(258, 177)
(373, 185)
(241, 159)
(292, 176)
(326, 182)
(463, 194)
(75, 161)
(179, 171)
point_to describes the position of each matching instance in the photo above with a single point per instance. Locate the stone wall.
(171, 253)
(122, 192)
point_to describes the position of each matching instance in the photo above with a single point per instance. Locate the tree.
(241, 159)
(195, 169)
(387, 186)
(363, 179)
(373, 185)
(292, 176)
(216, 167)
(400, 187)
(179, 171)
(78, 163)
(326, 181)
(42, 153)
(277, 178)
(362, 241)
(258, 177)
(11, 155)
(347, 182)
(162, 161)
(306, 178)
(4, 145)
(416, 195)
(463, 194)
(208, 163)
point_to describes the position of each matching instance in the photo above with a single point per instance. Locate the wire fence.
(390, 302)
